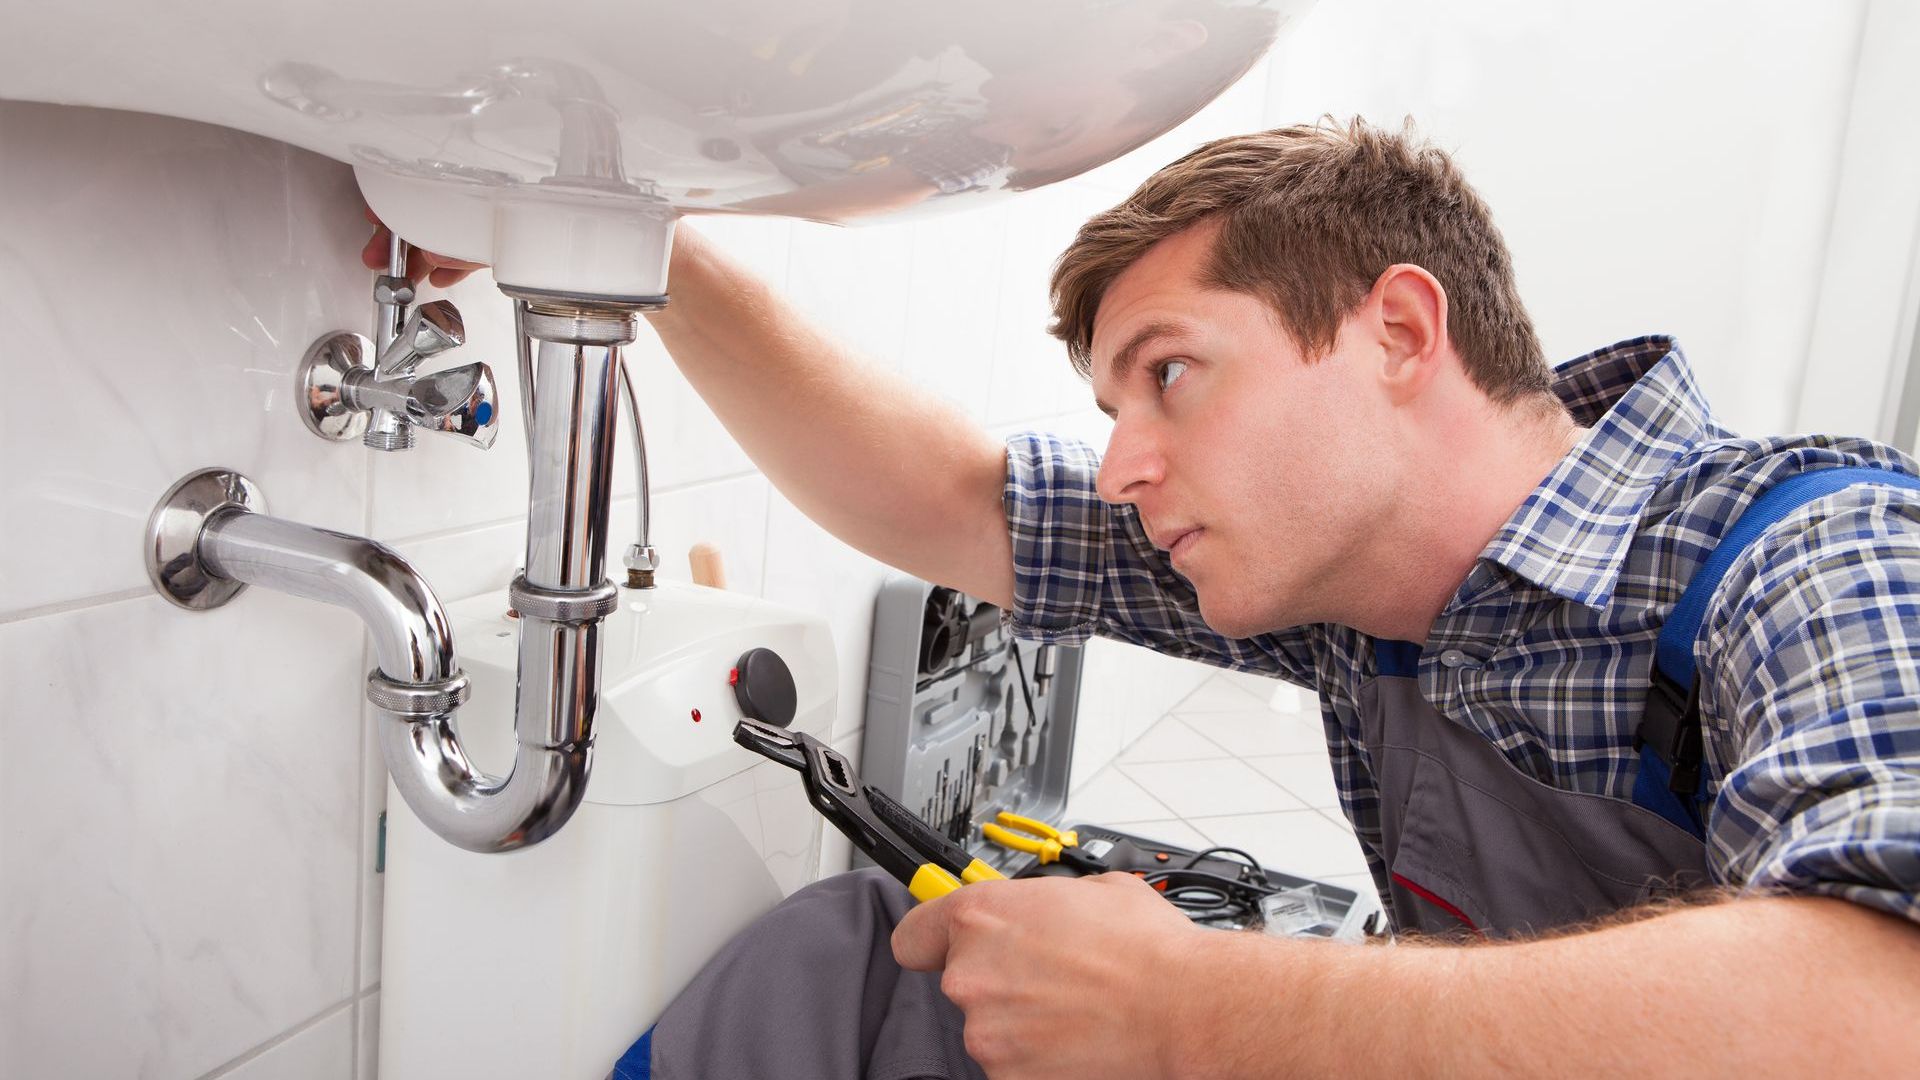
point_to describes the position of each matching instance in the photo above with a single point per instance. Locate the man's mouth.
(1182, 542)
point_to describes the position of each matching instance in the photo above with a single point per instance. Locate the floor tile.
(1246, 733)
(1260, 686)
(1210, 788)
(1360, 883)
(1112, 798)
(1307, 777)
(1301, 842)
(1219, 694)
(1171, 739)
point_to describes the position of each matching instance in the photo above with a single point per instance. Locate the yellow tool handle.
(978, 871)
(930, 881)
(1037, 828)
(1029, 844)
(1047, 850)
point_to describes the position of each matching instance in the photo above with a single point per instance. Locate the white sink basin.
(559, 141)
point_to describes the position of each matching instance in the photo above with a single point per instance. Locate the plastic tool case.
(964, 721)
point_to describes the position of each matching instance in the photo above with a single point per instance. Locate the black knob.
(763, 686)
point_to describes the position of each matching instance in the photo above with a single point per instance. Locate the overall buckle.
(1670, 724)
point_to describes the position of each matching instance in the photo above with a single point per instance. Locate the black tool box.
(964, 722)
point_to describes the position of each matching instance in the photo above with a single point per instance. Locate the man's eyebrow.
(1129, 354)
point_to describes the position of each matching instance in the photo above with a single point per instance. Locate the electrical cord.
(1252, 863)
(1204, 896)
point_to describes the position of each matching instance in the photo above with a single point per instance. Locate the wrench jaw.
(768, 741)
(834, 788)
(835, 770)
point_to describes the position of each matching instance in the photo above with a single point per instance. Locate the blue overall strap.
(637, 1062)
(1670, 781)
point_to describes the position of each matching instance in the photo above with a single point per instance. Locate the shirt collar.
(1570, 537)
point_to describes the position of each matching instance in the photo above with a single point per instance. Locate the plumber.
(1340, 457)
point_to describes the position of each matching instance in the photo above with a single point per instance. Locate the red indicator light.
(733, 677)
(696, 716)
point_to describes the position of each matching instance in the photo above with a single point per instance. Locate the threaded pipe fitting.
(399, 439)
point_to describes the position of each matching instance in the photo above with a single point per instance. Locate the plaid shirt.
(1808, 658)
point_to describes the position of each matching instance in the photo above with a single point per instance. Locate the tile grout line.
(62, 607)
(281, 1039)
(1323, 750)
(1254, 702)
(1305, 802)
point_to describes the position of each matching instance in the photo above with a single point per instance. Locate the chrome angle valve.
(350, 390)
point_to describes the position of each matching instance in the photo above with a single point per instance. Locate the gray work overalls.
(1472, 843)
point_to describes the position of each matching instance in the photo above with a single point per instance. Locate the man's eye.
(1170, 371)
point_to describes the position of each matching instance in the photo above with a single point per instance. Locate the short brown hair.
(1311, 216)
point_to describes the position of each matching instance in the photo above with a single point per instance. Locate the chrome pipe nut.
(416, 699)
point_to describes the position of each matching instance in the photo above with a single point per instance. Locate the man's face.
(1260, 472)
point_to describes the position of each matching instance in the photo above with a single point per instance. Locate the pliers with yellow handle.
(1043, 841)
(927, 863)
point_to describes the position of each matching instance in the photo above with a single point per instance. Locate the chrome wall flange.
(174, 530)
(322, 383)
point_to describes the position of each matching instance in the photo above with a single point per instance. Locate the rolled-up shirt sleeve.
(1819, 658)
(1083, 567)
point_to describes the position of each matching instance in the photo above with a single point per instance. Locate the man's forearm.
(889, 470)
(1781, 986)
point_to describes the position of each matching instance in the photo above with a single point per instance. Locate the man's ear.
(1413, 329)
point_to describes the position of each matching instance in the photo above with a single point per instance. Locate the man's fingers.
(444, 276)
(374, 255)
(419, 264)
(921, 939)
(422, 265)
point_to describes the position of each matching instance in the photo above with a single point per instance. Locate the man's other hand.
(422, 265)
(1058, 976)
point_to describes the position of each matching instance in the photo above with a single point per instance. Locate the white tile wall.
(953, 306)
(323, 1051)
(809, 569)
(180, 798)
(855, 283)
(367, 1038)
(161, 281)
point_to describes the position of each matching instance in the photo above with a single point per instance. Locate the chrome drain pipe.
(210, 536)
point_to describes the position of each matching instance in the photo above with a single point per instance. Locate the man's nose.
(1131, 464)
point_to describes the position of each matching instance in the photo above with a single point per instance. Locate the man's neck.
(1455, 501)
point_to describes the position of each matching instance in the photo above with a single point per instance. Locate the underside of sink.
(560, 145)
